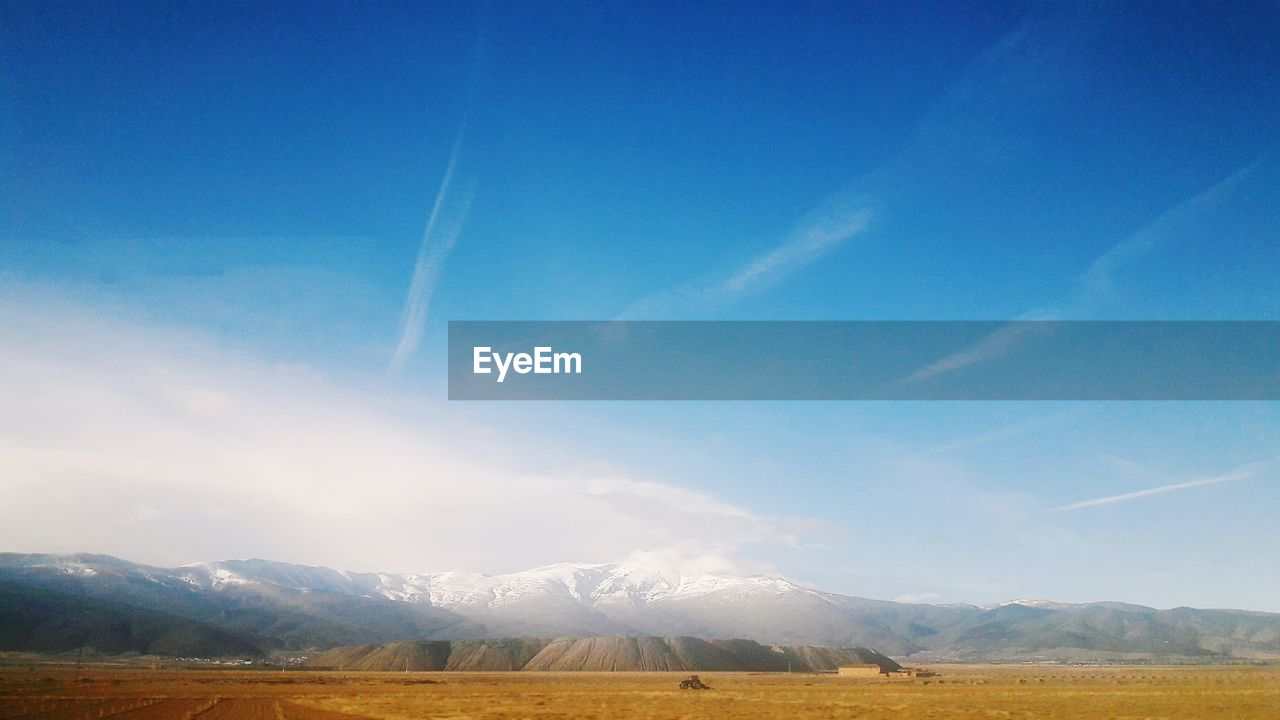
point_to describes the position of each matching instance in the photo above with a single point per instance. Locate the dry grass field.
(66, 693)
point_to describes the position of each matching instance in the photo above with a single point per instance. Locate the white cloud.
(918, 598)
(678, 563)
(198, 401)
(208, 453)
(692, 517)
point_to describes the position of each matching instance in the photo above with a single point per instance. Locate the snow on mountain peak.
(622, 584)
(587, 584)
(1031, 603)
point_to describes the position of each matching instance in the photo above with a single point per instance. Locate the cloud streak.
(444, 224)
(1242, 473)
(801, 248)
(997, 344)
(1093, 284)
(967, 120)
(816, 235)
(1097, 281)
(441, 234)
(998, 434)
(994, 79)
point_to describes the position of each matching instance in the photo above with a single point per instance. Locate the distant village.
(872, 670)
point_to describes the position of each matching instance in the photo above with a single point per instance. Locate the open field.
(68, 693)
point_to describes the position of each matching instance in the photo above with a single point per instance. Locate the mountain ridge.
(300, 607)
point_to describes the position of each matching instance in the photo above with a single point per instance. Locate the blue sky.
(212, 216)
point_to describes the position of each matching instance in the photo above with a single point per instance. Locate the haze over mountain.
(228, 607)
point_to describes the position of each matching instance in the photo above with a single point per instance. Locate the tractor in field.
(693, 682)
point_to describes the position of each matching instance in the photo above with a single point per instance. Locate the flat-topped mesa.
(598, 654)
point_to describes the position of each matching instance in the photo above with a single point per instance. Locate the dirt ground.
(69, 693)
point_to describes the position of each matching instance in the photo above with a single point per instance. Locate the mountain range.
(54, 603)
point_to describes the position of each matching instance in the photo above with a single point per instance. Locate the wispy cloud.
(1242, 473)
(1094, 284)
(999, 434)
(997, 344)
(817, 234)
(443, 227)
(1098, 280)
(966, 121)
(801, 248)
(960, 123)
(444, 224)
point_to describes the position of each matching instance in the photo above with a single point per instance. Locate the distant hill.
(47, 621)
(601, 654)
(293, 616)
(268, 605)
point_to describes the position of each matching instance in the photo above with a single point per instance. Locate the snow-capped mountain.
(559, 599)
(1029, 602)
(271, 604)
(590, 585)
